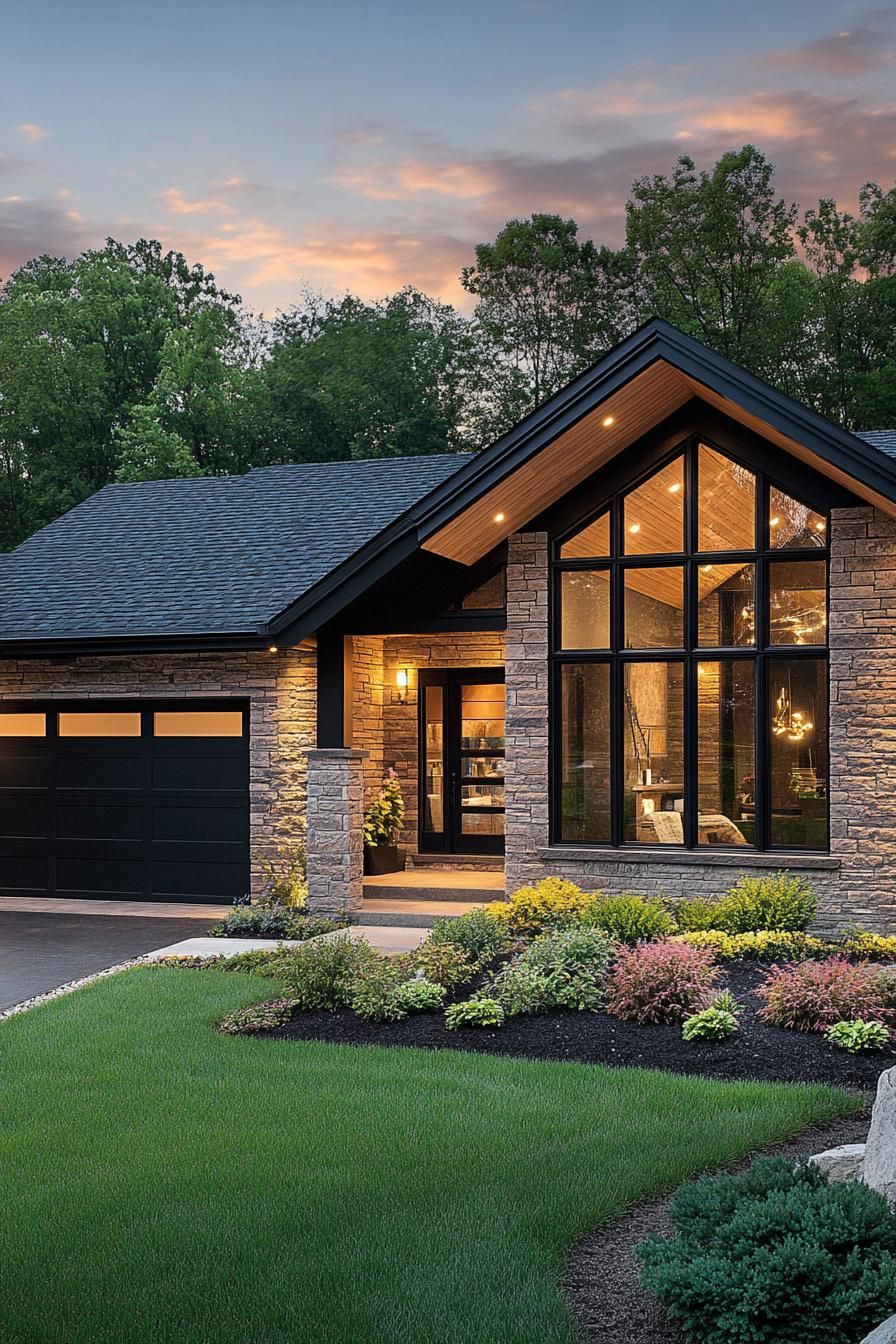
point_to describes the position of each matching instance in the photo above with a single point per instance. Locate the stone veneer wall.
(857, 881)
(385, 726)
(281, 691)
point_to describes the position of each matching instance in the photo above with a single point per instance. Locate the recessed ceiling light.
(819, 527)
(674, 487)
(773, 522)
(608, 420)
(499, 517)
(707, 568)
(272, 648)
(635, 527)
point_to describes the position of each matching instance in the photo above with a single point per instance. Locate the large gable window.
(690, 652)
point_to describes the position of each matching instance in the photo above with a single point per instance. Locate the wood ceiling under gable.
(650, 397)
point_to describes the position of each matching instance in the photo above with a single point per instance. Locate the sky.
(362, 146)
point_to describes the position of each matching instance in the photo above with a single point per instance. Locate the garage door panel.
(28, 817)
(183, 880)
(99, 821)
(24, 873)
(25, 770)
(96, 876)
(110, 770)
(203, 825)
(204, 773)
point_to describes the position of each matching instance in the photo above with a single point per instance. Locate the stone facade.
(335, 835)
(280, 689)
(526, 677)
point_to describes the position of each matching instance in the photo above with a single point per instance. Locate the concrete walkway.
(383, 939)
(46, 905)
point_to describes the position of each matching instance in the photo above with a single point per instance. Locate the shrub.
(697, 915)
(273, 921)
(858, 1035)
(550, 903)
(476, 1012)
(260, 960)
(816, 994)
(782, 901)
(885, 984)
(385, 815)
(573, 965)
(775, 1254)
(871, 946)
(443, 963)
(522, 990)
(629, 918)
(419, 996)
(286, 881)
(374, 994)
(256, 1017)
(712, 1024)
(477, 932)
(661, 982)
(727, 1003)
(777, 945)
(722, 944)
(323, 974)
(186, 961)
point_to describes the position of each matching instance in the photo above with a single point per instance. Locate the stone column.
(335, 836)
(526, 673)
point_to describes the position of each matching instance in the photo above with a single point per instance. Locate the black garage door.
(126, 801)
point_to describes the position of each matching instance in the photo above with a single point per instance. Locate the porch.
(419, 896)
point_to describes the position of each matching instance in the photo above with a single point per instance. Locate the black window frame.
(816, 493)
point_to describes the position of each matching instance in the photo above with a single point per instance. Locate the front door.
(462, 761)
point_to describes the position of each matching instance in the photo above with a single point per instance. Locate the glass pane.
(654, 608)
(585, 609)
(726, 727)
(484, 767)
(99, 724)
(482, 717)
(799, 753)
(585, 752)
(726, 511)
(653, 732)
(593, 540)
(198, 723)
(482, 795)
(791, 523)
(23, 725)
(489, 596)
(653, 519)
(798, 602)
(434, 819)
(726, 614)
(482, 823)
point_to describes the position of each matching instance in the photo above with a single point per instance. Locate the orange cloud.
(176, 204)
(30, 131)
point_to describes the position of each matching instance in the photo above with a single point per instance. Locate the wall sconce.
(403, 682)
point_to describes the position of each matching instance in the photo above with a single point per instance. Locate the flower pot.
(381, 859)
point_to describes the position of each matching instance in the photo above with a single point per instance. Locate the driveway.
(39, 952)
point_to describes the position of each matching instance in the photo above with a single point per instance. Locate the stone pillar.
(862, 641)
(335, 836)
(526, 673)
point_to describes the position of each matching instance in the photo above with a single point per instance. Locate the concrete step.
(434, 885)
(405, 914)
(440, 895)
(469, 863)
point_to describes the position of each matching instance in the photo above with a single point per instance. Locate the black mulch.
(602, 1280)
(757, 1051)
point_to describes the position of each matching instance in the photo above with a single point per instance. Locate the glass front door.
(462, 761)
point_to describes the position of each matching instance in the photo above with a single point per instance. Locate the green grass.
(161, 1183)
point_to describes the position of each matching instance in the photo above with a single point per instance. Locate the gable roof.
(210, 556)
(882, 439)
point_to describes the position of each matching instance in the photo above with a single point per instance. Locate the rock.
(842, 1164)
(884, 1334)
(880, 1151)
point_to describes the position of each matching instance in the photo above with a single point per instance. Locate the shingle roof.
(884, 439)
(212, 555)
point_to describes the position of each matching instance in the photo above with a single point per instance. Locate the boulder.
(842, 1164)
(884, 1334)
(879, 1171)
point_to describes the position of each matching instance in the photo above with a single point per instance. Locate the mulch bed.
(602, 1280)
(758, 1051)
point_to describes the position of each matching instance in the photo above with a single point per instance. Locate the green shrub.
(775, 1254)
(727, 1003)
(374, 994)
(548, 904)
(258, 960)
(477, 932)
(697, 915)
(186, 961)
(443, 963)
(286, 879)
(323, 974)
(630, 919)
(858, 1035)
(273, 921)
(712, 1024)
(477, 1012)
(782, 901)
(419, 996)
(871, 946)
(522, 991)
(564, 969)
(257, 1017)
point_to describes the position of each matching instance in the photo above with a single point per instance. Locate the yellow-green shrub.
(778, 945)
(873, 946)
(720, 943)
(544, 905)
(629, 918)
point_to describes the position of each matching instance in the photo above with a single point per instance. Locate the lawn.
(161, 1183)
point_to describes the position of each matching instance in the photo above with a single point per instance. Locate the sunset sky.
(361, 146)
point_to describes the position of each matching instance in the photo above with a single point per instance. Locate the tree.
(549, 304)
(147, 452)
(708, 246)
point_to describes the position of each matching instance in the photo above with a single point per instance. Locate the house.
(646, 640)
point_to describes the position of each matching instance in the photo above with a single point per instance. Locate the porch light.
(403, 681)
(499, 517)
(608, 420)
(272, 648)
(819, 527)
(635, 527)
(674, 487)
(774, 522)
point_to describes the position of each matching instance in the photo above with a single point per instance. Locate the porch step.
(405, 914)
(436, 885)
(470, 863)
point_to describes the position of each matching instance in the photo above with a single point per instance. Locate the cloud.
(33, 133)
(176, 204)
(41, 226)
(852, 52)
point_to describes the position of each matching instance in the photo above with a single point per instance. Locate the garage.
(125, 800)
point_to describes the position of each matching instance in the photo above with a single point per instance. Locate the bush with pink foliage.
(661, 982)
(814, 995)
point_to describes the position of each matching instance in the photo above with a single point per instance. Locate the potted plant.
(382, 822)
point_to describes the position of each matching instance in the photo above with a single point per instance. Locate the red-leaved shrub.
(661, 982)
(815, 994)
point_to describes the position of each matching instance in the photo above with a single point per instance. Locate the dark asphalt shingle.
(213, 555)
(884, 439)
